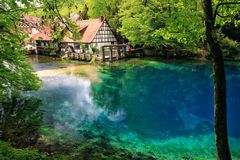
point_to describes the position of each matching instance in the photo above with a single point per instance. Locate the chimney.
(101, 19)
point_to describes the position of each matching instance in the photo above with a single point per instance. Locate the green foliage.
(7, 152)
(139, 22)
(149, 23)
(22, 121)
(76, 6)
(229, 13)
(97, 8)
(106, 8)
(154, 23)
(65, 7)
(229, 47)
(16, 74)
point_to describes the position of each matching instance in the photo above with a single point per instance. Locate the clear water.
(159, 108)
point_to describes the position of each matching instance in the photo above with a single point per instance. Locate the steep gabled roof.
(89, 29)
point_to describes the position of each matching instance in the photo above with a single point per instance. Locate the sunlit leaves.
(16, 74)
(156, 23)
(228, 12)
(106, 8)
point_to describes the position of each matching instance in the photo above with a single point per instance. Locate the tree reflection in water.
(21, 121)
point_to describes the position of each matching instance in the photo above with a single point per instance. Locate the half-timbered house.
(94, 33)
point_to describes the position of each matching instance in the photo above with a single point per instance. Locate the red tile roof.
(30, 20)
(40, 36)
(87, 28)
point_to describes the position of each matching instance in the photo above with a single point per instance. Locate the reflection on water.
(20, 122)
(161, 109)
(75, 100)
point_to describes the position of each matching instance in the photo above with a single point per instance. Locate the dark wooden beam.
(111, 54)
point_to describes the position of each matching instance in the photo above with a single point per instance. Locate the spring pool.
(163, 109)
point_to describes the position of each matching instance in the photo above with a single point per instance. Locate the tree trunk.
(220, 105)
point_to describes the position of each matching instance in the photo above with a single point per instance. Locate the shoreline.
(152, 57)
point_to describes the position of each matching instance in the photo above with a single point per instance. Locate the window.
(77, 46)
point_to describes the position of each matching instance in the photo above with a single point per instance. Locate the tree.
(16, 74)
(220, 105)
(168, 22)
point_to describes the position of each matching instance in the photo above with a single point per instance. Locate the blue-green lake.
(161, 108)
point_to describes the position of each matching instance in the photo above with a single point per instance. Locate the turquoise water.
(163, 109)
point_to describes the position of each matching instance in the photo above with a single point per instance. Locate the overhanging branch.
(217, 7)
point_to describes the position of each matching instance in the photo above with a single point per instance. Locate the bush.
(7, 152)
(229, 47)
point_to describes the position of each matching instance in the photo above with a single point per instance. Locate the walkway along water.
(109, 53)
